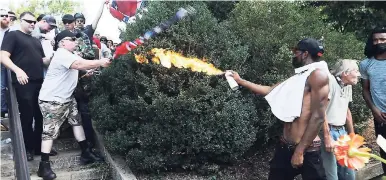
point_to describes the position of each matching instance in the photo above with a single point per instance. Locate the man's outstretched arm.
(318, 82)
(255, 88)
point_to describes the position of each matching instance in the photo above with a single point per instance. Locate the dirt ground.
(255, 167)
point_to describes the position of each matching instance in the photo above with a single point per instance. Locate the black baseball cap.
(64, 34)
(50, 20)
(68, 17)
(311, 45)
(40, 17)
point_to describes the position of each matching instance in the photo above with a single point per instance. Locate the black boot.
(88, 157)
(97, 154)
(45, 171)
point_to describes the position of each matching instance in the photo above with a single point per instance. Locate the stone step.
(66, 144)
(60, 145)
(5, 135)
(64, 161)
(370, 171)
(83, 174)
(5, 121)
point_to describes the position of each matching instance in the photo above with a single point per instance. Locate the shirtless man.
(299, 149)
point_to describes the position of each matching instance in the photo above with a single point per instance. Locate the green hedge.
(165, 119)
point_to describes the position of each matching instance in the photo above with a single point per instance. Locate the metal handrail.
(19, 152)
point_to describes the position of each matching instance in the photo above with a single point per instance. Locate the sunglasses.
(29, 21)
(4, 15)
(70, 39)
(13, 18)
(67, 21)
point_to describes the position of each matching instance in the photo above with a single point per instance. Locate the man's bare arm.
(326, 128)
(94, 24)
(349, 122)
(21, 76)
(318, 82)
(83, 64)
(7, 62)
(255, 88)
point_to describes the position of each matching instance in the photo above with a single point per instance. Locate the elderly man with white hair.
(338, 121)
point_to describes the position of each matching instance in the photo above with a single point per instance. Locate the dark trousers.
(27, 98)
(4, 80)
(86, 119)
(281, 168)
(380, 129)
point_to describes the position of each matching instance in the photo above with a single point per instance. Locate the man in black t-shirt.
(24, 55)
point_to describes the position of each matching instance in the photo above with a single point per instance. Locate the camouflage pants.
(55, 114)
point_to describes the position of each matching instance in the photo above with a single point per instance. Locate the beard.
(43, 31)
(4, 24)
(379, 48)
(296, 63)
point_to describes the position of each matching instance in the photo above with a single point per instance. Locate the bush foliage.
(163, 119)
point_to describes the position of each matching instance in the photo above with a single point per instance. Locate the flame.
(169, 58)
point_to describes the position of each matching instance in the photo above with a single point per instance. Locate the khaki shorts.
(55, 114)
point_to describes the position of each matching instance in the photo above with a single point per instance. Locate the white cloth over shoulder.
(286, 99)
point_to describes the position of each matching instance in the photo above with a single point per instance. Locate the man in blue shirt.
(374, 81)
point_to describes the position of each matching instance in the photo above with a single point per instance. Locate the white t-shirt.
(60, 80)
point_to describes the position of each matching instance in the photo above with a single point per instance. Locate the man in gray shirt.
(57, 102)
(338, 121)
(373, 70)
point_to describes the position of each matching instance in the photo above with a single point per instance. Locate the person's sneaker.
(45, 170)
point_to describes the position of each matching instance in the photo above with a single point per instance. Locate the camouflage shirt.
(85, 46)
(86, 51)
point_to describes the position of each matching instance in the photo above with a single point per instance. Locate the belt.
(315, 146)
(336, 127)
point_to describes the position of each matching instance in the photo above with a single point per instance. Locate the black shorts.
(281, 168)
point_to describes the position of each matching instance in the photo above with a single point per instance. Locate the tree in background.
(358, 17)
(221, 9)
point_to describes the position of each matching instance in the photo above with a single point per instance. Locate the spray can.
(232, 83)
